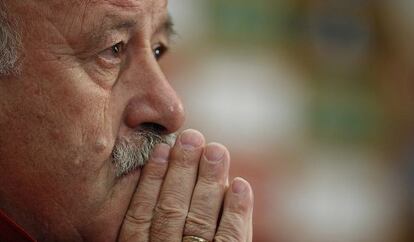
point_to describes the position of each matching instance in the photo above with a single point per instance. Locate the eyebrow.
(166, 26)
(115, 23)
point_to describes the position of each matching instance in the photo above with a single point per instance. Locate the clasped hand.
(184, 190)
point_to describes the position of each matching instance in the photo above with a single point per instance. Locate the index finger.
(137, 221)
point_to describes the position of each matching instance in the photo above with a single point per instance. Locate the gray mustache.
(134, 151)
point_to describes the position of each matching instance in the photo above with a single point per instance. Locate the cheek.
(88, 129)
(75, 122)
(62, 122)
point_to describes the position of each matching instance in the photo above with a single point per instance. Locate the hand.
(185, 196)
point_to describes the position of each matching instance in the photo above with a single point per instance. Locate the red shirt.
(11, 231)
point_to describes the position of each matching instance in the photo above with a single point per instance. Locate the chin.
(108, 218)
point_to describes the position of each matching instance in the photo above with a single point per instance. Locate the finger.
(176, 191)
(209, 192)
(138, 218)
(238, 206)
(250, 229)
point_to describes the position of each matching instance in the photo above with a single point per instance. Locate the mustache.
(134, 151)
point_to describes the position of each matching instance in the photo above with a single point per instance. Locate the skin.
(60, 117)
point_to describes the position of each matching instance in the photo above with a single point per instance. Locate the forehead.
(144, 6)
(124, 3)
(70, 23)
(133, 3)
(92, 12)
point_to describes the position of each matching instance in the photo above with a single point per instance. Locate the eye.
(113, 54)
(159, 50)
(118, 48)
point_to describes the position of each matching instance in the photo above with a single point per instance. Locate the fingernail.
(238, 186)
(214, 152)
(191, 139)
(160, 153)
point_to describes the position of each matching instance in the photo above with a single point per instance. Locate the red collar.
(11, 231)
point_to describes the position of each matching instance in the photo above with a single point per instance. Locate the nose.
(154, 103)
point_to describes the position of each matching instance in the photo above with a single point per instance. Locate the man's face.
(90, 77)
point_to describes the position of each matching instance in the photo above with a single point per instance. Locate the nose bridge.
(153, 98)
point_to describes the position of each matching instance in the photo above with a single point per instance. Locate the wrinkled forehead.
(70, 21)
(89, 11)
(133, 3)
(146, 6)
(149, 6)
(127, 2)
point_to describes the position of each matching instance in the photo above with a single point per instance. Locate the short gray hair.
(10, 42)
(134, 151)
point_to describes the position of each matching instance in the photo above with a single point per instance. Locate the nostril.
(154, 127)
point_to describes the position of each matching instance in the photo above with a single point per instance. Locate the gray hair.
(10, 42)
(134, 151)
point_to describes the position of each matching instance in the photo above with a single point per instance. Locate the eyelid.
(108, 59)
(119, 46)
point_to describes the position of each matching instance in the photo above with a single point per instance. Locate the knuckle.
(204, 199)
(200, 224)
(166, 222)
(232, 230)
(154, 172)
(139, 208)
(172, 199)
(228, 237)
(165, 213)
(140, 212)
(240, 206)
(239, 209)
(187, 158)
(160, 234)
(134, 236)
(235, 220)
(135, 219)
(213, 176)
(212, 184)
(207, 200)
(214, 172)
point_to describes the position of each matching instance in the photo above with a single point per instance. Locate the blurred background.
(315, 100)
